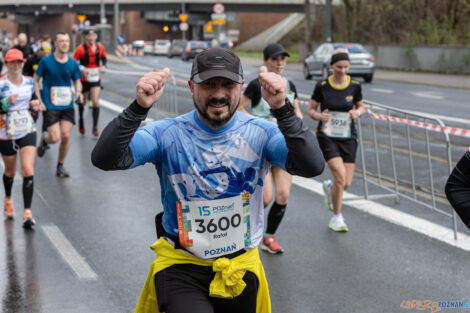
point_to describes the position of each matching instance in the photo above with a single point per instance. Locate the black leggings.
(184, 288)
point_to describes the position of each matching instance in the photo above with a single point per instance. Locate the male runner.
(458, 188)
(212, 163)
(58, 71)
(92, 59)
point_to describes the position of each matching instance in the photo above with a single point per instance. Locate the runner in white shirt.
(18, 132)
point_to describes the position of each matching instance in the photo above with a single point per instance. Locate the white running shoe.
(327, 192)
(337, 223)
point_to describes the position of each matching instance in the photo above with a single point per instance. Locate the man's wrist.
(136, 108)
(286, 110)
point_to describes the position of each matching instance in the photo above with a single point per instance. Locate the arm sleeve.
(293, 89)
(113, 149)
(458, 188)
(317, 94)
(296, 150)
(253, 92)
(40, 69)
(76, 74)
(358, 94)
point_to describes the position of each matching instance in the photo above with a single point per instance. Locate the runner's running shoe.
(95, 132)
(270, 244)
(28, 220)
(43, 146)
(61, 172)
(8, 210)
(337, 224)
(327, 192)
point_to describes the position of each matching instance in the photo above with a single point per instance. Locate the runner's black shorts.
(334, 147)
(183, 288)
(87, 85)
(53, 116)
(7, 147)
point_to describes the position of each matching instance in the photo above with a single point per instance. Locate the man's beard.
(216, 123)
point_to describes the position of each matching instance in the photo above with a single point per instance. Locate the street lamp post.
(116, 21)
(328, 21)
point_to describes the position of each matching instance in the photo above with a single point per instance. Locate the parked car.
(192, 48)
(361, 61)
(176, 48)
(148, 47)
(161, 47)
(138, 44)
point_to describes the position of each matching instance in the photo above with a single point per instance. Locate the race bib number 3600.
(339, 125)
(213, 228)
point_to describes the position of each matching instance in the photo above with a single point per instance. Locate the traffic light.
(166, 28)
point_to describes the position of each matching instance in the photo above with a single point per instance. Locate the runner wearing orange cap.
(18, 132)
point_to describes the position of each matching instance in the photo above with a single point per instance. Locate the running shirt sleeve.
(358, 93)
(253, 92)
(296, 150)
(79, 53)
(40, 70)
(458, 188)
(113, 150)
(317, 93)
(76, 73)
(293, 89)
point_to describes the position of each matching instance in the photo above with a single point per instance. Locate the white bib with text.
(61, 96)
(93, 75)
(213, 228)
(19, 122)
(339, 125)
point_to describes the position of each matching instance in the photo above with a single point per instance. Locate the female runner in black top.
(340, 101)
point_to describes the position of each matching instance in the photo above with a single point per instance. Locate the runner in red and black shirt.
(92, 59)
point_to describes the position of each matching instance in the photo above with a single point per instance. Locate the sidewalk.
(429, 79)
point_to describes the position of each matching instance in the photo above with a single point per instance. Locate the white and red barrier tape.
(433, 127)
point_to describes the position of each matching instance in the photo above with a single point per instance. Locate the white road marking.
(76, 262)
(382, 90)
(419, 225)
(427, 94)
(381, 211)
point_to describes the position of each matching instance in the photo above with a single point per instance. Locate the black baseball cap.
(216, 62)
(273, 50)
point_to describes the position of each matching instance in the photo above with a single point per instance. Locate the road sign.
(218, 8)
(218, 16)
(218, 22)
(120, 39)
(184, 27)
(183, 17)
(81, 18)
(174, 28)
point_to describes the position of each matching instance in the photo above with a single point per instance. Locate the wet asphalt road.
(107, 217)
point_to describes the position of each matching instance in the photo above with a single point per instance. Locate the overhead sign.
(183, 17)
(218, 16)
(81, 18)
(184, 27)
(218, 8)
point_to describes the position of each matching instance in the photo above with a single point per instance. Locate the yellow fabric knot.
(228, 281)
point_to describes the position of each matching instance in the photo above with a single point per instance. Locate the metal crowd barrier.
(167, 105)
(424, 166)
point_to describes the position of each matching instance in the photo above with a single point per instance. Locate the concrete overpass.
(93, 6)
